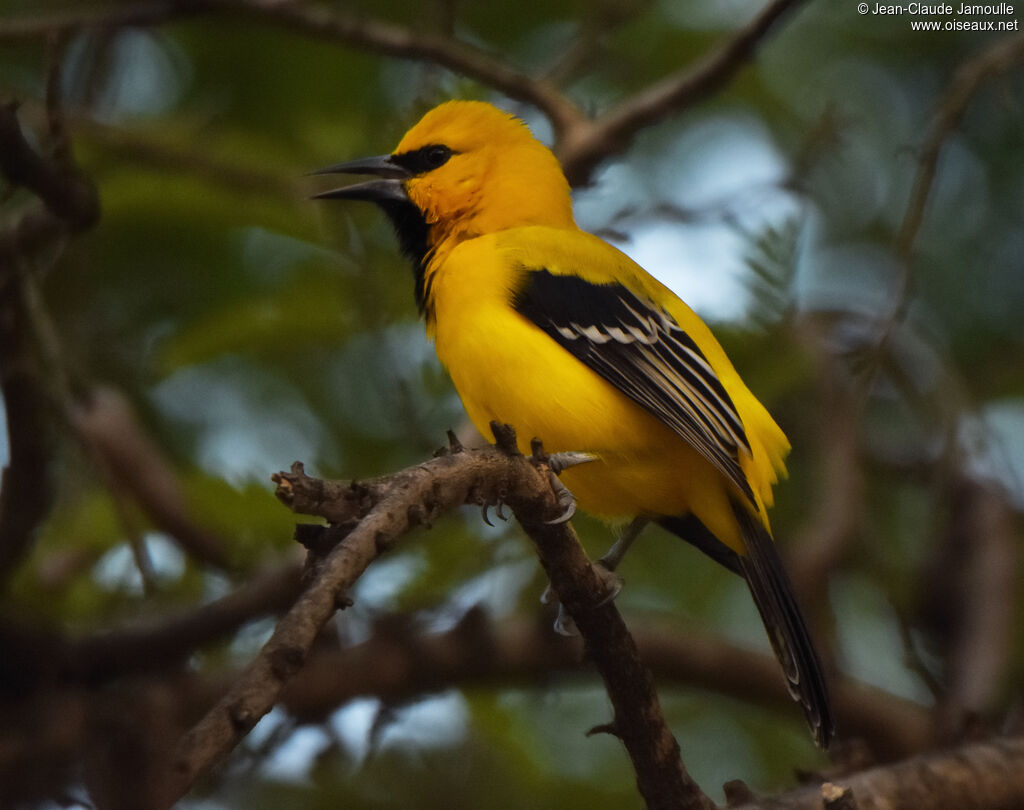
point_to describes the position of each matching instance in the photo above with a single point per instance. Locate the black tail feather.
(770, 587)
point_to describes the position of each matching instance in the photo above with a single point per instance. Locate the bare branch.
(70, 201)
(440, 484)
(968, 79)
(832, 528)
(147, 647)
(332, 24)
(65, 192)
(587, 143)
(150, 647)
(581, 143)
(107, 425)
(19, 29)
(408, 43)
(979, 776)
(370, 518)
(969, 602)
(400, 664)
(26, 488)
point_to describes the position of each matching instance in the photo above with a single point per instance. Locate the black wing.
(641, 350)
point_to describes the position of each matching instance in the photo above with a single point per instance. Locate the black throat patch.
(412, 230)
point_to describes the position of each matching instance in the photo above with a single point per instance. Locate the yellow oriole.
(552, 330)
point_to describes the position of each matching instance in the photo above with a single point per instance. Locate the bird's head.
(465, 170)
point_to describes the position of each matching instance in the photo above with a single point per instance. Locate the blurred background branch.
(839, 195)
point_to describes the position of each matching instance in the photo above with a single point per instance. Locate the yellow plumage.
(554, 331)
(505, 368)
(509, 209)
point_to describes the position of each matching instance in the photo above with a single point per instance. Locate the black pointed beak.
(387, 187)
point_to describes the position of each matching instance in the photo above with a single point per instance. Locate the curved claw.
(483, 514)
(499, 510)
(564, 624)
(559, 462)
(611, 581)
(565, 499)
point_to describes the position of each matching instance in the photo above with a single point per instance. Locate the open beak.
(387, 188)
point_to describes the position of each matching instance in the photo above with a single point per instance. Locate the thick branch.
(33, 657)
(661, 776)
(370, 517)
(399, 663)
(979, 776)
(335, 25)
(68, 203)
(107, 425)
(402, 501)
(26, 488)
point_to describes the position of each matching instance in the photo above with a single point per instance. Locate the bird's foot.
(612, 558)
(566, 502)
(557, 463)
(499, 510)
(611, 585)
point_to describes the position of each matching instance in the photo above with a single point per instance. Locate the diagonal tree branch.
(67, 202)
(587, 143)
(967, 81)
(66, 193)
(408, 43)
(332, 24)
(580, 142)
(368, 519)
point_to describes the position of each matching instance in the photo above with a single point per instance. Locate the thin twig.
(409, 43)
(968, 79)
(580, 142)
(589, 142)
(335, 25)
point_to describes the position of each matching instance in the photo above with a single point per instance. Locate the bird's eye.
(436, 156)
(424, 159)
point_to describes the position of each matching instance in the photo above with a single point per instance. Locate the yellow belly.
(506, 369)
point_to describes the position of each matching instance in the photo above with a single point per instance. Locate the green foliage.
(252, 327)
